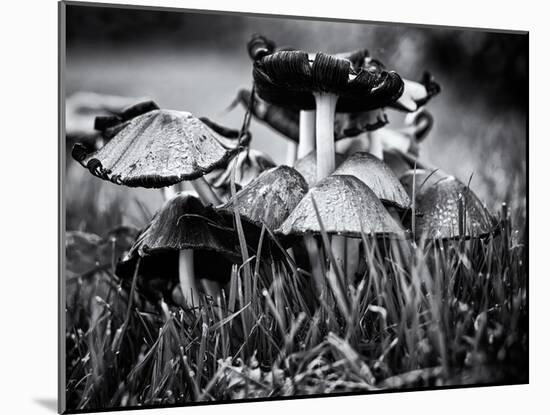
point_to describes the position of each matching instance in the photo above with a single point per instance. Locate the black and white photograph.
(261, 207)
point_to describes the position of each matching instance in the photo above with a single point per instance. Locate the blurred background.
(197, 62)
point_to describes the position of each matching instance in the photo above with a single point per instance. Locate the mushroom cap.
(288, 79)
(346, 206)
(185, 223)
(157, 149)
(307, 166)
(269, 198)
(438, 206)
(377, 176)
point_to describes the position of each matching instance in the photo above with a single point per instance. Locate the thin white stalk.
(338, 248)
(307, 133)
(291, 152)
(352, 258)
(324, 132)
(171, 191)
(206, 194)
(168, 193)
(376, 146)
(187, 277)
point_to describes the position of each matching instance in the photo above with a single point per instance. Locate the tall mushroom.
(158, 149)
(183, 242)
(326, 84)
(342, 206)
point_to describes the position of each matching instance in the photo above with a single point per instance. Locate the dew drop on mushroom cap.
(378, 177)
(437, 202)
(184, 240)
(158, 149)
(346, 207)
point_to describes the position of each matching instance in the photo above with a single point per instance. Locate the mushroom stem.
(170, 191)
(338, 247)
(205, 191)
(187, 276)
(352, 258)
(291, 151)
(307, 133)
(324, 126)
(376, 147)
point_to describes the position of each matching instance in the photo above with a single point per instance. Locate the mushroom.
(158, 149)
(326, 84)
(343, 207)
(378, 177)
(307, 166)
(268, 199)
(183, 242)
(346, 207)
(448, 208)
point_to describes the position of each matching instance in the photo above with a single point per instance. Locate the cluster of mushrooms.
(347, 174)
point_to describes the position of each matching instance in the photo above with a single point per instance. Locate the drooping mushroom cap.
(248, 165)
(438, 205)
(307, 166)
(377, 176)
(289, 79)
(346, 206)
(157, 149)
(182, 223)
(269, 198)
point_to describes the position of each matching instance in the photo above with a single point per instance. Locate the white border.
(29, 203)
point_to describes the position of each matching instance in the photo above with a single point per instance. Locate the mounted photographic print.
(260, 207)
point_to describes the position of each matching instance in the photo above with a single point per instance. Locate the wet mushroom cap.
(438, 205)
(307, 166)
(378, 177)
(157, 149)
(346, 207)
(289, 79)
(269, 198)
(182, 223)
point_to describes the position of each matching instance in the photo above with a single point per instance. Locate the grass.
(452, 313)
